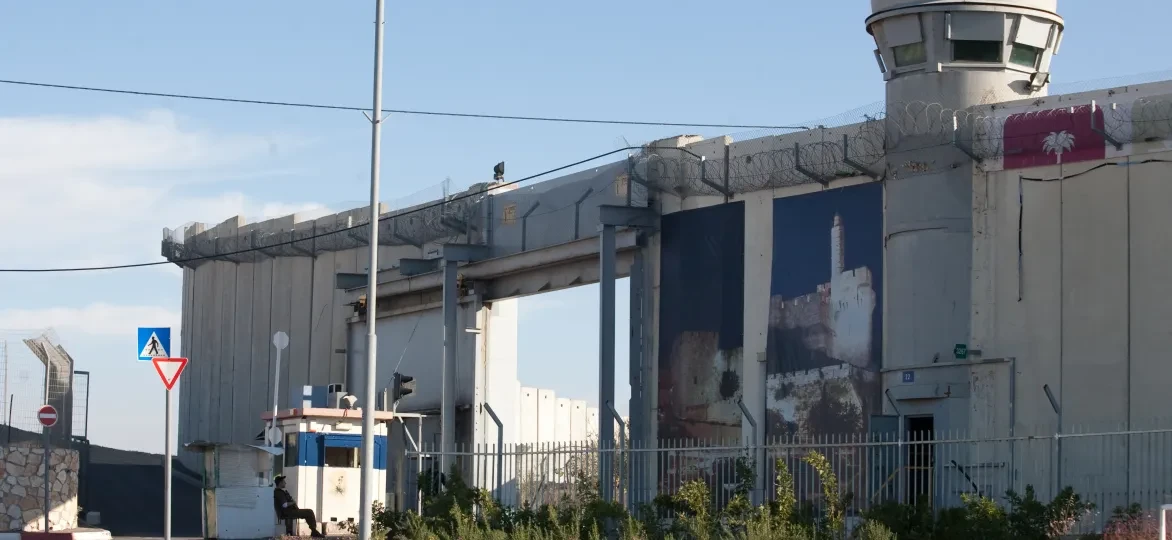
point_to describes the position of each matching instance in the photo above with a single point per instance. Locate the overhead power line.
(220, 256)
(318, 235)
(482, 116)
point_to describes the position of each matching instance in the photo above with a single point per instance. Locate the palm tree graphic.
(1058, 143)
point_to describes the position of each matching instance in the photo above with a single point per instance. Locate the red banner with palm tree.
(1068, 135)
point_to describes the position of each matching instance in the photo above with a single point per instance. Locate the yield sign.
(169, 369)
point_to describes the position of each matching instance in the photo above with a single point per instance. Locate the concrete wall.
(1069, 280)
(231, 311)
(1082, 313)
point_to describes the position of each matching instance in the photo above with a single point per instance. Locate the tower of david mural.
(824, 317)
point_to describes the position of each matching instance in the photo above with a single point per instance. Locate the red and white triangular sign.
(169, 369)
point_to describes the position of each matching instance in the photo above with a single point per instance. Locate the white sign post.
(47, 416)
(169, 370)
(280, 341)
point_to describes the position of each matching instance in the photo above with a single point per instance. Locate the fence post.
(1057, 455)
(758, 485)
(500, 449)
(1164, 520)
(618, 454)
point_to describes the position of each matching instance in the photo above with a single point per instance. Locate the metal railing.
(1109, 469)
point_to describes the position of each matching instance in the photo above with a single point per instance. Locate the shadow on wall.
(701, 316)
(825, 326)
(127, 488)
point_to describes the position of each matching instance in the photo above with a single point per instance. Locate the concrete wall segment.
(241, 354)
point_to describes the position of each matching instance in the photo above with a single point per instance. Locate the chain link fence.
(26, 385)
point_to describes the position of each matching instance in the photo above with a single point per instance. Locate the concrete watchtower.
(939, 56)
(967, 52)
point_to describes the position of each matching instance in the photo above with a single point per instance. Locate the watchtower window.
(1024, 55)
(976, 51)
(905, 36)
(910, 54)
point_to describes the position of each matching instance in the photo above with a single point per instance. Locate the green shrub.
(464, 513)
(906, 522)
(1031, 519)
(874, 530)
(833, 518)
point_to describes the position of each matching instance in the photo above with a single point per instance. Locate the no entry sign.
(47, 415)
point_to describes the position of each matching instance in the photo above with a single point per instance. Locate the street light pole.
(367, 477)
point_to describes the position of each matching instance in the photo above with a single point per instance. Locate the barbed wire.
(820, 155)
(828, 153)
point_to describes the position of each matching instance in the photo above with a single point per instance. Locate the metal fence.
(23, 389)
(1108, 469)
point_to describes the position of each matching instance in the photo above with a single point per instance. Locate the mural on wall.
(825, 325)
(701, 322)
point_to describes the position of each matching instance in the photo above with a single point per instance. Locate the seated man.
(287, 508)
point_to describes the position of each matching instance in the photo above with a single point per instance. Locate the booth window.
(341, 450)
(342, 457)
(290, 450)
(977, 36)
(905, 36)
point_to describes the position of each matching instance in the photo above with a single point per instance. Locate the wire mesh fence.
(81, 404)
(1111, 470)
(26, 385)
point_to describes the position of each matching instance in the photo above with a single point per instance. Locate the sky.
(91, 179)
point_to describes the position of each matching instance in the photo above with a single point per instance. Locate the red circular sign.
(47, 416)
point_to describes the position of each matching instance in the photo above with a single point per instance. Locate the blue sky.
(93, 178)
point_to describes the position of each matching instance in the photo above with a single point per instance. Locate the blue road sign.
(154, 343)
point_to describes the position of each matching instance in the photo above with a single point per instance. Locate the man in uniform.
(287, 508)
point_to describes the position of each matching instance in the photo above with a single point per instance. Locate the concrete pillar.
(758, 279)
(606, 352)
(638, 418)
(448, 400)
(610, 217)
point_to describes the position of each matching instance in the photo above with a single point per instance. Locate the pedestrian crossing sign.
(154, 343)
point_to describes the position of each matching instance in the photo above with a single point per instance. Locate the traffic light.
(402, 386)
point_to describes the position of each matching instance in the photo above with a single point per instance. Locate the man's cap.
(278, 478)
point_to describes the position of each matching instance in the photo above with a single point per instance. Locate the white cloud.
(98, 319)
(96, 191)
(100, 190)
(43, 147)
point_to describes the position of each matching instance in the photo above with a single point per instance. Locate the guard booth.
(321, 461)
(237, 496)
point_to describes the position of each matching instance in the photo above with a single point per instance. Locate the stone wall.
(22, 495)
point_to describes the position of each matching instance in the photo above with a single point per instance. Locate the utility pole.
(367, 478)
